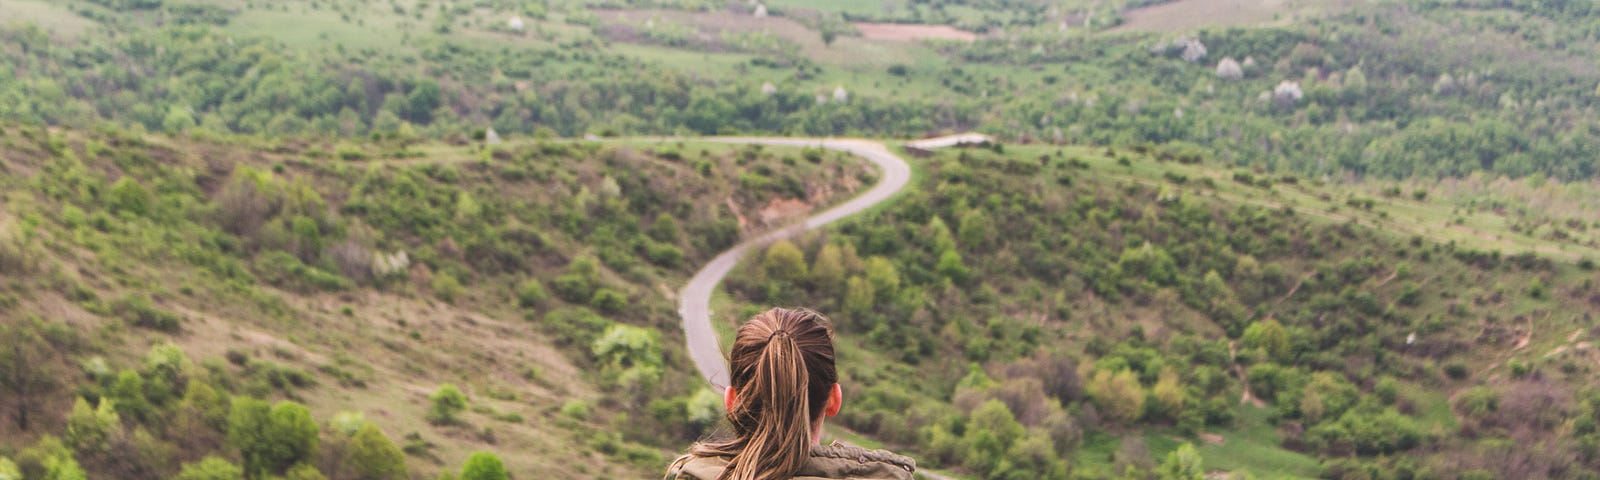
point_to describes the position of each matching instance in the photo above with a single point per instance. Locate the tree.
(484, 466)
(130, 197)
(1118, 394)
(975, 229)
(827, 270)
(859, 298)
(1183, 464)
(784, 261)
(446, 403)
(271, 439)
(951, 267)
(49, 460)
(1269, 336)
(166, 369)
(9, 470)
(1168, 394)
(25, 372)
(579, 282)
(128, 391)
(293, 434)
(884, 277)
(211, 468)
(88, 427)
(630, 355)
(424, 98)
(664, 229)
(371, 456)
(993, 430)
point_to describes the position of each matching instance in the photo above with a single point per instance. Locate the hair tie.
(775, 335)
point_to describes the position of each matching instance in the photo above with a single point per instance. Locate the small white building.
(515, 24)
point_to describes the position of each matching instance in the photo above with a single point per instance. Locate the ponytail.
(780, 443)
(783, 370)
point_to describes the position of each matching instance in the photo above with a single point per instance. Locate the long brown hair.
(782, 362)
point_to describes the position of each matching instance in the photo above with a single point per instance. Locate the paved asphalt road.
(695, 306)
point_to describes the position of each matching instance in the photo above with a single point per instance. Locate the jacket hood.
(828, 462)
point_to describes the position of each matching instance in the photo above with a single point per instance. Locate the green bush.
(609, 301)
(446, 287)
(664, 254)
(211, 468)
(139, 311)
(446, 405)
(127, 196)
(530, 293)
(372, 456)
(271, 440)
(484, 466)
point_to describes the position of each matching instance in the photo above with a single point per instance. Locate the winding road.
(695, 299)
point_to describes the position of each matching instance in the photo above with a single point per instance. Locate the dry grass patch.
(1189, 15)
(911, 32)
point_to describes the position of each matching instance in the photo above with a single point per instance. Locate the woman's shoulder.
(836, 461)
(840, 460)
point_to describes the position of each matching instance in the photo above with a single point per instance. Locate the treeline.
(1382, 91)
(184, 78)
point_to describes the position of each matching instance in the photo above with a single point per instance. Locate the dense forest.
(358, 239)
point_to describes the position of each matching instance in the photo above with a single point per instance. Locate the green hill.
(356, 279)
(1310, 239)
(1115, 305)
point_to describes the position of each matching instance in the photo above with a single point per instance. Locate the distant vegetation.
(1377, 98)
(348, 239)
(1117, 304)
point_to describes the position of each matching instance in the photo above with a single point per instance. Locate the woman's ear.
(835, 401)
(729, 398)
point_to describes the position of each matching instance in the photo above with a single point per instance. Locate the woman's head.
(784, 382)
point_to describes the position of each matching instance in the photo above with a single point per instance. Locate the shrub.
(127, 196)
(578, 284)
(530, 293)
(211, 468)
(372, 456)
(484, 466)
(784, 261)
(271, 439)
(446, 403)
(575, 409)
(608, 300)
(1119, 395)
(664, 254)
(139, 311)
(446, 287)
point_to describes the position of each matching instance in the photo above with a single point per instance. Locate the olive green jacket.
(828, 462)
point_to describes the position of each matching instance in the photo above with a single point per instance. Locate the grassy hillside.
(356, 279)
(1087, 310)
(1344, 239)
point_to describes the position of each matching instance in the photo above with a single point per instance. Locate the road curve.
(695, 299)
